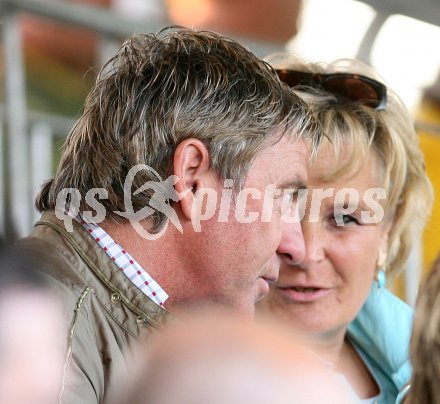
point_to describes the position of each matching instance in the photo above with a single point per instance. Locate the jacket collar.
(109, 283)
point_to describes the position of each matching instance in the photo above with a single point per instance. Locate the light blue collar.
(382, 329)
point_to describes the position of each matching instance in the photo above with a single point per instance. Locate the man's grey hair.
(159, 90)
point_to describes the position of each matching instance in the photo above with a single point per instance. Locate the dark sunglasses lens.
(355, 89)
(347, 87)
(291, 78)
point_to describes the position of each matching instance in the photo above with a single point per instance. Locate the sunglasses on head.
(347, 87)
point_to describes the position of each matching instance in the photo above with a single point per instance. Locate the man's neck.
(160, 257)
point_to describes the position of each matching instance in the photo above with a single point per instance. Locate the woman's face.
(324, 293)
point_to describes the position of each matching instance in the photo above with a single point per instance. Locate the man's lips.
(304, 293)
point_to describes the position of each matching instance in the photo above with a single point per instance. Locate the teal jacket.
(381, 334)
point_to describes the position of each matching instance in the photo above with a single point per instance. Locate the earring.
(381, 277)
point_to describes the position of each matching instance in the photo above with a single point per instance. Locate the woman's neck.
(329, 346)
(337, 350)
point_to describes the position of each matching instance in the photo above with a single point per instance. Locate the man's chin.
(262, 286)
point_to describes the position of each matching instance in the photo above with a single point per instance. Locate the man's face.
(236, 255)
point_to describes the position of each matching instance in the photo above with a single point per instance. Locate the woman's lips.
(304, 294)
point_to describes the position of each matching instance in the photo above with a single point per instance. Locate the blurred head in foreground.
(31, 338)
(425, 343)
(217, 358)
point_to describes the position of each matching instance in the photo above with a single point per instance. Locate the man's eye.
(290, 196)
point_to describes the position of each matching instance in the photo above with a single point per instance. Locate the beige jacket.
(105, 312)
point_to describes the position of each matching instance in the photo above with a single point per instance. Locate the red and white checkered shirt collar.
(128, 266)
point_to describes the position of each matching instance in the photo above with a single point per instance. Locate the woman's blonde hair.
(390, 133)
(425, 342)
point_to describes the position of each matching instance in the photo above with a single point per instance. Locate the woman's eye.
(343, 220)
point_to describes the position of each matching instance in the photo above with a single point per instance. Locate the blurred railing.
(27, 135)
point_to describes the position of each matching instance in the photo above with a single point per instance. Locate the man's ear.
(191, 163)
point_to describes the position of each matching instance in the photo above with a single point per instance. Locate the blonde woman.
(368, 198)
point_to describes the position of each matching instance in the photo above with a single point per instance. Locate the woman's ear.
(383, 245)
(191, 163)
(381, 259)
